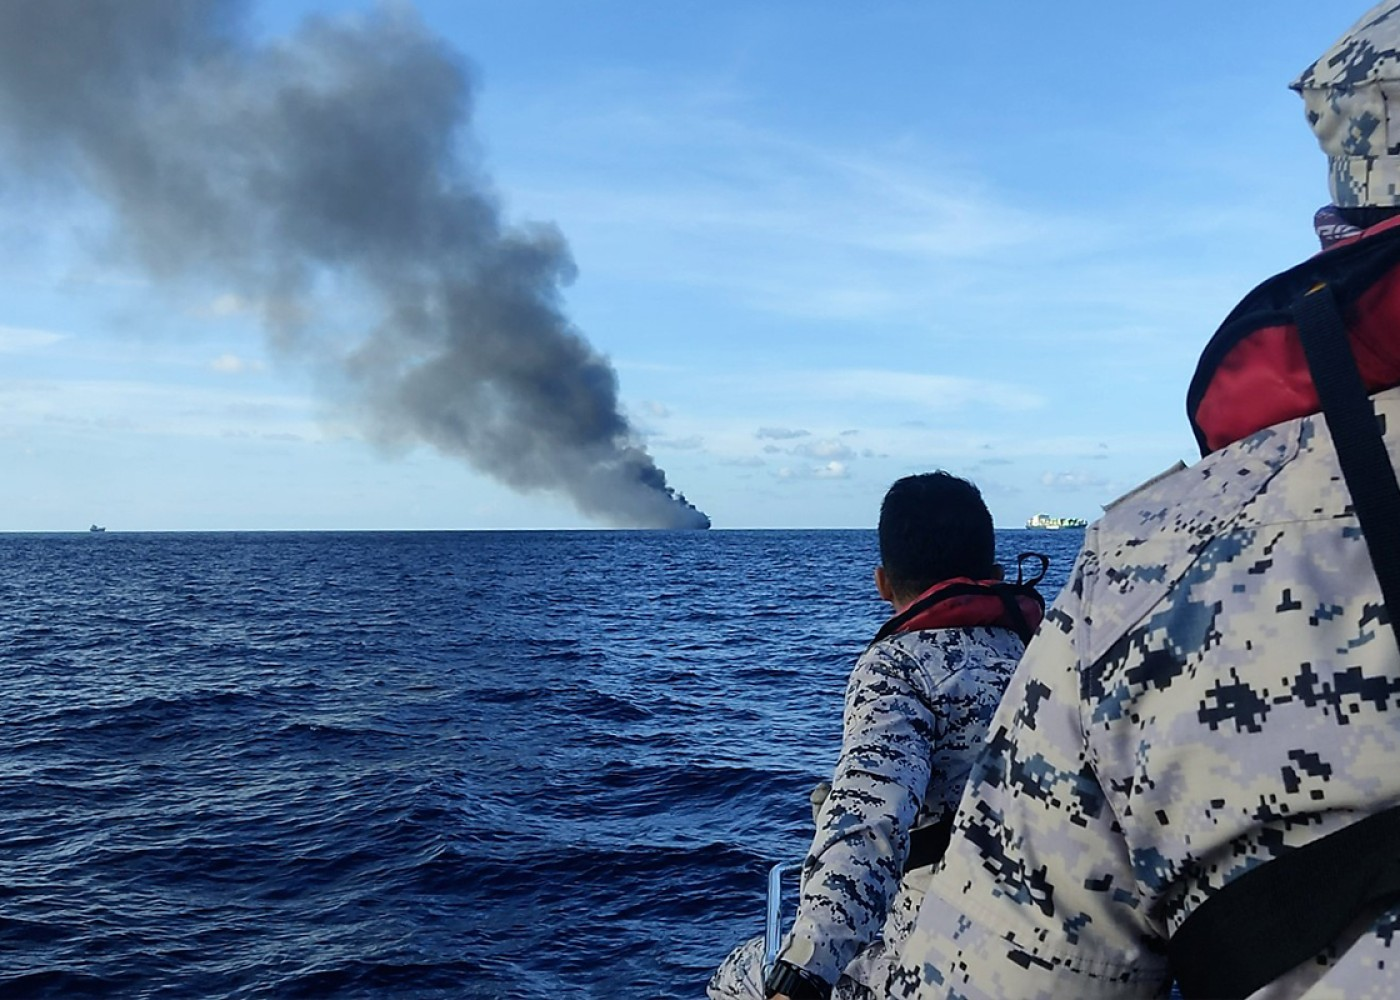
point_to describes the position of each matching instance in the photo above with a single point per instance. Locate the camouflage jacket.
(916, 711)
(1218, 684)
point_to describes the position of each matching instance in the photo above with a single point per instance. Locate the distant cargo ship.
(1055, 523)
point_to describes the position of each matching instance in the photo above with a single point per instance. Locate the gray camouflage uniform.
(916, 711)
(1218, 685)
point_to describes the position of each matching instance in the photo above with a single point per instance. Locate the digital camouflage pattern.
(1347, 95)
(916, 711)
(1218, 684)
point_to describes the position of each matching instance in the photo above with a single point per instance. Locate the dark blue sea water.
(472, 765)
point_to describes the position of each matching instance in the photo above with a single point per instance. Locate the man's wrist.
(788, 980)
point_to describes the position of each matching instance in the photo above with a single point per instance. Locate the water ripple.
(290, 765)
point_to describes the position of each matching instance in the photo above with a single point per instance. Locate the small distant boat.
(1055, 523)
(96, 528)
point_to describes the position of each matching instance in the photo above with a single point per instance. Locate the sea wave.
(297, 765)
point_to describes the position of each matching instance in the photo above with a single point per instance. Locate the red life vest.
(966, 603)
(1253, 373)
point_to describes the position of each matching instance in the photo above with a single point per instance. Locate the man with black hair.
(916, 709)
(933, 527)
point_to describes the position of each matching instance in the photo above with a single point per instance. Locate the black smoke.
(329, 167)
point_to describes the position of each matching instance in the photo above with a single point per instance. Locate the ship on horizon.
(1055, 523)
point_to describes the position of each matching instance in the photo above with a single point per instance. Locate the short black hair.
(934, 527)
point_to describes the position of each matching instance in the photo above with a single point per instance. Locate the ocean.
(457, 764)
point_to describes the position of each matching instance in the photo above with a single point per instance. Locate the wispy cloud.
(232, 364)
(892, 232)
(786, 225)
(149, 408)
(908, 389)
(20, 339)
(830, 470)
(692, 443)
(829, 450)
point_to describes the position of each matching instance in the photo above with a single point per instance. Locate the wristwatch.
(799, 984)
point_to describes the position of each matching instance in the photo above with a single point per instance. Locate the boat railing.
(773, 933)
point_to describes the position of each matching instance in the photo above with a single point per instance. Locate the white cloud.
(831, 470)
(18, 339)
(232, 364)
(832, 450)
(798, 228)
(779, 433)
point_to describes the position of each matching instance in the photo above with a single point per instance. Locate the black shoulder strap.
(1010, 593)
(1275, 917)
(1356, 434)
(1279, 915)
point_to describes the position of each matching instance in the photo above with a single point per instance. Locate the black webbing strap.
(1275, 917)
(1008, 595)
(928, 844)
(1356, 434)
(1282, 913)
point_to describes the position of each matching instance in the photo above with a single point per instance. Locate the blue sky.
(822, 245)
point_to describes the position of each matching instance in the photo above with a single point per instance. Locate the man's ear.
(882, 584)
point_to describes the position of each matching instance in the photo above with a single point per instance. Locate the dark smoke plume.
(334, 167)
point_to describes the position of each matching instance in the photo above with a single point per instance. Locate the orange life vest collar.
(962, 602)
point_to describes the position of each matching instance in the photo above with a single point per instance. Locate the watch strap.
(799, 984)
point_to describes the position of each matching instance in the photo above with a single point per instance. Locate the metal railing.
(773, 932)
